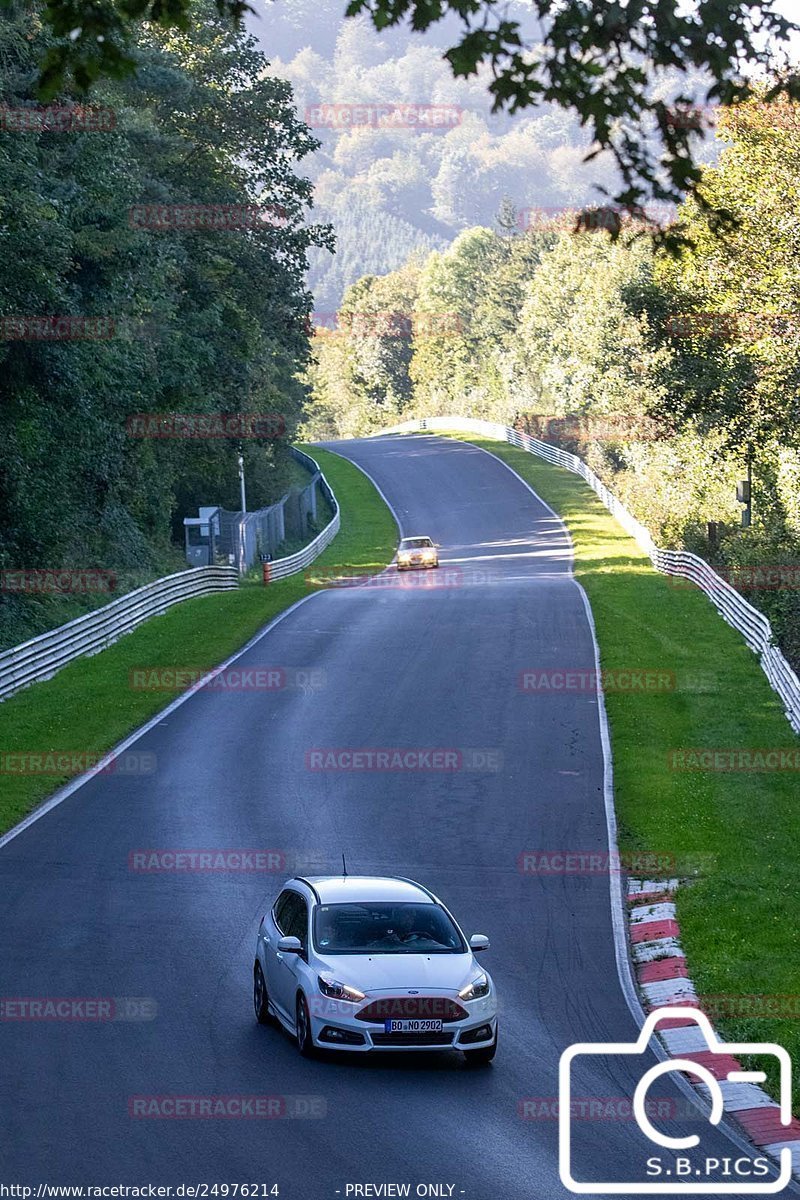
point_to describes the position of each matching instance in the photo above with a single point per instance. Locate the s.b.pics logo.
(669, 1157)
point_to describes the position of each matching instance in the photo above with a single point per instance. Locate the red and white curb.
(663, 979)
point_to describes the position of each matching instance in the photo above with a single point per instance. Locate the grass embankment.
(736, 832)
(31, 614)
(90, 706)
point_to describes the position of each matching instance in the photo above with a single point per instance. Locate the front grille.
(413, 1006)
(412, 1039)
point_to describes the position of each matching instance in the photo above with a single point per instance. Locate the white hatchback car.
(355, 962)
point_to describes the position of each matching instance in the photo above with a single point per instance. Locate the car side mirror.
(290, 945)
(478, 941)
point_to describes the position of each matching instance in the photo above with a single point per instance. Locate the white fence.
(43, 656)
(303, 558)
(752, 624)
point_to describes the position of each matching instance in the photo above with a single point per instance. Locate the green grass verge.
(89, 706)
(737, 834)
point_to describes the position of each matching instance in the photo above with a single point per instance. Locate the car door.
(274, 927)
(293, 918)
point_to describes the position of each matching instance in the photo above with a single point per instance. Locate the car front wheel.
(483, 1056)
(303, 1028)
(260, 997)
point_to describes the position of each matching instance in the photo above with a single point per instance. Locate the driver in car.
(403, 931)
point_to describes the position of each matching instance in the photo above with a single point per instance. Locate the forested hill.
(665, 373)
(424, 157)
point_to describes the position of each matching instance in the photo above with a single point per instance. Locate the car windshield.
(416, 543)
(385, 929)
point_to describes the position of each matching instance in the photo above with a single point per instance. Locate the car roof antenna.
(344, 867)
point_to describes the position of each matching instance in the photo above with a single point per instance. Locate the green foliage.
(605, 69)
(445, 347)
(369, 241)
(391, 188)
(578, 336)
(205, 321)
(563, 324)
(749, 378)
(360, 375)
(738, 379)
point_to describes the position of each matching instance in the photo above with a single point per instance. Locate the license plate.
(413, 1025)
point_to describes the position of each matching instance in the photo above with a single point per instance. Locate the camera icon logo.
(701, 1073)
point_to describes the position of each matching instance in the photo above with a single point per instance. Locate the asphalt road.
(412, 666)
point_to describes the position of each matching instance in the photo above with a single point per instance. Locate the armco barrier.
(752, 624)
(43, 656)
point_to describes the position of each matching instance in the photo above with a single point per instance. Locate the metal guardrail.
(42, 656)
(732, 606)
(45, 655)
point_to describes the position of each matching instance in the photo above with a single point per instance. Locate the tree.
(736, 365)
(602, 60)
(443, 368)
(201, 321)
(582, 345)
(727, 313)
(361, 377)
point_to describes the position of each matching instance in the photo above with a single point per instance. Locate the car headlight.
(473, 991)
(335, 990)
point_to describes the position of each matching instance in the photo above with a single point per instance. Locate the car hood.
(430, 973)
